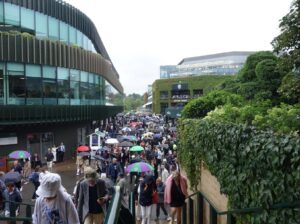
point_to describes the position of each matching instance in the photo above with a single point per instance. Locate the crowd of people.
(160, 188)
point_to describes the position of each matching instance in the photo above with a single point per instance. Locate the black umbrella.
(125, 144)
(97, 157)
(166, 146)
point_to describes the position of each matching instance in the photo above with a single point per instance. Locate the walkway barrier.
(198, 208)
(13, 206)
(112, 214)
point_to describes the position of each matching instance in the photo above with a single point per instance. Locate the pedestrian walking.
(164, 174)
(35, 161)
(53, 205)
(12, 196)
(49, 158)
(175, 194)
(26, 170)
(92, 198)
(145, 198)
(160, 188)
(114, 169)
(34, 179)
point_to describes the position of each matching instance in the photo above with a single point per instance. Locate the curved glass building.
(57, 82)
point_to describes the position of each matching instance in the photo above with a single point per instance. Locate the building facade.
(57, 81)
(227, 63)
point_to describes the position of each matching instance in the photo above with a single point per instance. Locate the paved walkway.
(67, 170)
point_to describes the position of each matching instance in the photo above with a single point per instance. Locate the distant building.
(193, 77)
(227, 63)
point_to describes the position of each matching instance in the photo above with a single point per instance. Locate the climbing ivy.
(255, 168)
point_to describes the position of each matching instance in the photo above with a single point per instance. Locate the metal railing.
(194, 210)
(112, 214)
(13, 206)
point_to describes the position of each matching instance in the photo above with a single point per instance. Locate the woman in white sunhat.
(53, 205)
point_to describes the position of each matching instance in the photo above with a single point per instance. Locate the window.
(12, 14)
(85, 42)
(72, 35)
(1, 12)
(41, 26)
(16, 84)
(63, 86)
(53, 29)
(74, 87)
(49, 85)
(27, 18)
(79, 38)
(64, 32)
(84, 88)
(34, 84)
(1, 84)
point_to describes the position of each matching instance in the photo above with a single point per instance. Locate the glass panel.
(41, 26)
(79, 38)
(53, 29)
(72, 35)
(84, 93)
(27, 18)
(74, 75)
(33, 71)
(85, 42)
(49, 91)
(12, 14)
(34, 90)
(49, 72)
(74, 93)
(63, 73)
(91, 78)
(63, 90)
(1, 84)
(84, 76)
(64, 32)
(1, 12)
(16, 84)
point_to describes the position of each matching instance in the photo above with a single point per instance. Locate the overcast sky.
(141, 35)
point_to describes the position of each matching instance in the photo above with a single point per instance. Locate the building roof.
(211, 56)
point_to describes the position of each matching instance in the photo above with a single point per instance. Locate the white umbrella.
(126, 129)
(112, 141)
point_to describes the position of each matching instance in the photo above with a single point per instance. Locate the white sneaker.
(169, 218)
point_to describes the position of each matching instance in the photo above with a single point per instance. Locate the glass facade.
(43, 26)
(112, 96)
(219, 64)
(26, 84)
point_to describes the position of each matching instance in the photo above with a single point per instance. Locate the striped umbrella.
(139, 167)
(19, 154)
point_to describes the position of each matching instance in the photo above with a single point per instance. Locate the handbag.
(155, 197)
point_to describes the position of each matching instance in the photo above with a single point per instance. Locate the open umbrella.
(130, 138)
(82, 154)
(112, 141)
(19, 154)
(166, 146)
(13, 177)
(125, 144)
(136, 148)
(126, 129)
(83, 148)
(139, 167)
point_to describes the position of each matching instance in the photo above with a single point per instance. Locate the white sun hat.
(49, 186)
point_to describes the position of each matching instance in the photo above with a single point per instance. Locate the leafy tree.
(290, 88)
(247, 74)
(198, 108)
(133, 101)
(287, 43)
